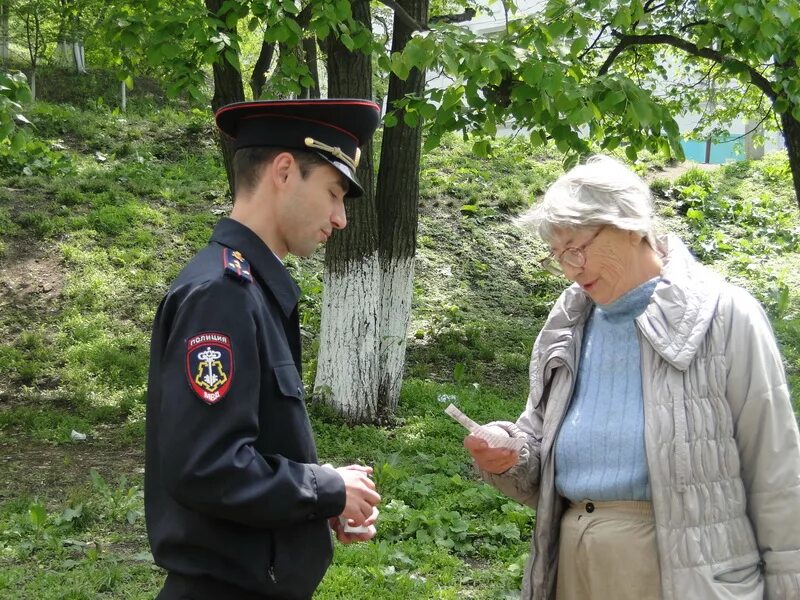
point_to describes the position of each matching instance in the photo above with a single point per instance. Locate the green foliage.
(118, 504)
(733, 220)
(14, 92)
(594, 75)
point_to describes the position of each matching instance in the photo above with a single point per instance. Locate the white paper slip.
(495, 440)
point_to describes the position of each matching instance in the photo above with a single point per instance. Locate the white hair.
(602, 191)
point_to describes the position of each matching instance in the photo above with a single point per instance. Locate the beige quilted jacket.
(722, 441)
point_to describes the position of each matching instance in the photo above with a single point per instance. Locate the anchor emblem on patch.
(209, 365)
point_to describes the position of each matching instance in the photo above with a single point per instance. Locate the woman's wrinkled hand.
(492, 460)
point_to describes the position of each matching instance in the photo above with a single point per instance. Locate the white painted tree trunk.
(4, 30)
(397, 288)
(78, 52)
(347, 369)
(65, 55)
(33, 85)
(123, 97)
(753, 151)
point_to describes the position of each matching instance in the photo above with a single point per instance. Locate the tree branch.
(650, 7)
(413, 24)
(406, 18)
(628, 41)
(691, 24)
(746, 133)
(594, 43)
(467, 15)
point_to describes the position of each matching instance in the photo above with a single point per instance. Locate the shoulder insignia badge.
(236, 265)
(209, 365)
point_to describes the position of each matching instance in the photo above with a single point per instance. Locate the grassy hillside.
(102, 211)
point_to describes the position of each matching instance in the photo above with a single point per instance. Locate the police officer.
(237, 506)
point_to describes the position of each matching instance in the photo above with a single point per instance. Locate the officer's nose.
(339, 216)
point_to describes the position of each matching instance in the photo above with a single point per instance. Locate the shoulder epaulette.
(236, 265)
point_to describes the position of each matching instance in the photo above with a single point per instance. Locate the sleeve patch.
(236, 265)
(209, 365)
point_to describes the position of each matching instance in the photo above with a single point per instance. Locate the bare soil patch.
(49, 471)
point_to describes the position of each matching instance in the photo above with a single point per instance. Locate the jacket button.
(589, 507)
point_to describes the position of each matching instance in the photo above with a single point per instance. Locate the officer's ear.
(281, 169)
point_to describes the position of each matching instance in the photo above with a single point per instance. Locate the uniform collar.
(263, 262)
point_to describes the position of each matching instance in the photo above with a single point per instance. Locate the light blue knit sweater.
(600, 447)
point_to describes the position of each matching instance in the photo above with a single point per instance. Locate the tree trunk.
(259, 76)
(4, 6)
(791, 134)
(64, 54)
(397, 200)
(78, 52)
(310, 53)
(347, 364)
(228, 87)
(33, 85)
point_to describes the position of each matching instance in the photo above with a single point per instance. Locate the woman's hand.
(492, 460)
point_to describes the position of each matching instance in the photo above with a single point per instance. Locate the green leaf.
(6, 127)
(570, 160)
(390, 119)
(781, 105)
(399, 67)
(415, 55)
(622, 19)
(343, 10)
(631, 153)
(411, 118)
(18, 141)
(643, 112)
(694, 214)
(233, 58)
(37, 515)
(558, 28)
(482, 148)
(427, 111)
(532, 73)
(290, 7)
(578, 45)
(347, 41)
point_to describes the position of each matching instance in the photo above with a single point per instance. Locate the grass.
(106, 214)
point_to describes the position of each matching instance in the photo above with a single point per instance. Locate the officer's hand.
(493, 460)
(361, 494)
(348, 538)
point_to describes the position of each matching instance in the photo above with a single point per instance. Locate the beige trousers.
(607, 551)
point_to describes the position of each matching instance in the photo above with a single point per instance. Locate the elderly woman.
(662, 455)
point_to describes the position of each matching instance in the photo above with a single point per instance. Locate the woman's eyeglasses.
(574, 257)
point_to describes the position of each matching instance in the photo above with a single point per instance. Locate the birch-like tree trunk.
(347, 363)
(397, 200)
(4, 41)
(369, 266)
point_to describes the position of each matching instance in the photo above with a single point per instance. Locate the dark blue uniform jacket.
(232, 488)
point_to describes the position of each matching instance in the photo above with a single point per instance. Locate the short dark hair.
(248, 163)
